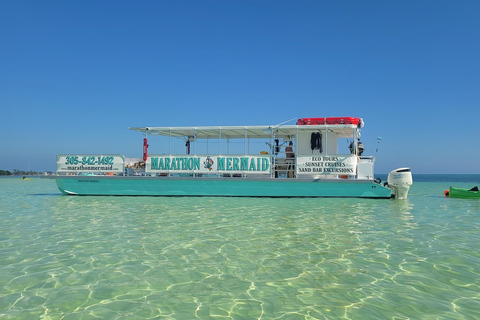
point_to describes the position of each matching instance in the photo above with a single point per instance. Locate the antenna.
(271, 128)
(278, 125)
(378, 142)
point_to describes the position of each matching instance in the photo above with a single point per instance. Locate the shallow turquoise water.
(64, 257)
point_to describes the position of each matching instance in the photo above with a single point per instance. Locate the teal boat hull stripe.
(222, 187)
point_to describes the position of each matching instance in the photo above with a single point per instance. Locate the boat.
(237, 161)
(472, 193)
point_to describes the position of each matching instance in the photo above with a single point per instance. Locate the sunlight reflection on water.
(237, 258)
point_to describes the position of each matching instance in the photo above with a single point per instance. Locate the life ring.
(145, 149)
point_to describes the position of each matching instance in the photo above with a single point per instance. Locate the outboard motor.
(400, 180)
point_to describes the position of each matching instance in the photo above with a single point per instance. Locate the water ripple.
(182, 258)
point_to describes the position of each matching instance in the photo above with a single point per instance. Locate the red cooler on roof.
(337, 120)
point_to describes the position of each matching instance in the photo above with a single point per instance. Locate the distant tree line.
(17, 172)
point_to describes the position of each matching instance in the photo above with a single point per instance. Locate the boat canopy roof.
(241, 132)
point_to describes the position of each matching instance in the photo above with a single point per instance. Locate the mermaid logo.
(208, 163)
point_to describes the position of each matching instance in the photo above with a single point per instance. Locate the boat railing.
(261, 165)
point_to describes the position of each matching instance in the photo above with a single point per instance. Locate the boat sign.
(332, 164)
(208, 164)
(83, 163)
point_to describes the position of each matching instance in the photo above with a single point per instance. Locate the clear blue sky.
(74, 75)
